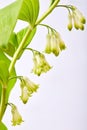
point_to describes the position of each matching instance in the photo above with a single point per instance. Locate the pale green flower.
(78, 19)
(31, 86)
(48, 45)
(27, 88)
(24, 94)
(70, 25)
(16, 117)
(77, 23)
(40, 64)
(80, 16)
(54, 43)
(60, 41)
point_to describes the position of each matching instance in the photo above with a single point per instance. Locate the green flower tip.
(40, 64)
(54, 44)
(27, 89)
(16, 117)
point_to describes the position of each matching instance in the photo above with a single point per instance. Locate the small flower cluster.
(54, 44)
(40, 64)
(76, 19)
(16, 117)
(27, 88)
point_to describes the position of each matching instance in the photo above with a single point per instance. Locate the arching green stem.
(50, 9)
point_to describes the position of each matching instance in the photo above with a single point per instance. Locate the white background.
(61, 101)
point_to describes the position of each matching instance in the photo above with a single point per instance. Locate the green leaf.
(8, 19)
(3, 72)
(26, 10)
(21, 34)
(2, 126)
(0, 92)
(16, 39)
(29, 11)
(4, 58)
(11, 83)
(12, 45)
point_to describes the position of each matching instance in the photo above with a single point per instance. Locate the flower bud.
(80, 16)
(77, 22)
(62, 45)
(60, 42)
(55, 45)
(48, 46)
(24, 95)
(69, 26)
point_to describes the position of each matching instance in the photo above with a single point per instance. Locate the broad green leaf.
(26, 10)
(8, 19)
(29, 11)
(11, 83)
(16, 39)
(3, 72)
(2, 126)
(21, 34)
(4, 58)
(12, 45)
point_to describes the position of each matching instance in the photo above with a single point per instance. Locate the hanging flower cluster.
(76, 19)
(54, 44)
(40, 64)
(27, 89)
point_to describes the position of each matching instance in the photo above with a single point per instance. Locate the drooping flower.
(40, 64)
(16, 117)
(62, 45)
(31, 86)
(76, 19)
(48, 45)
(27, 89)
(77, 23)
(54, 44)
(70, 24)
(55, 49)
(80, 16)
(24, 94)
